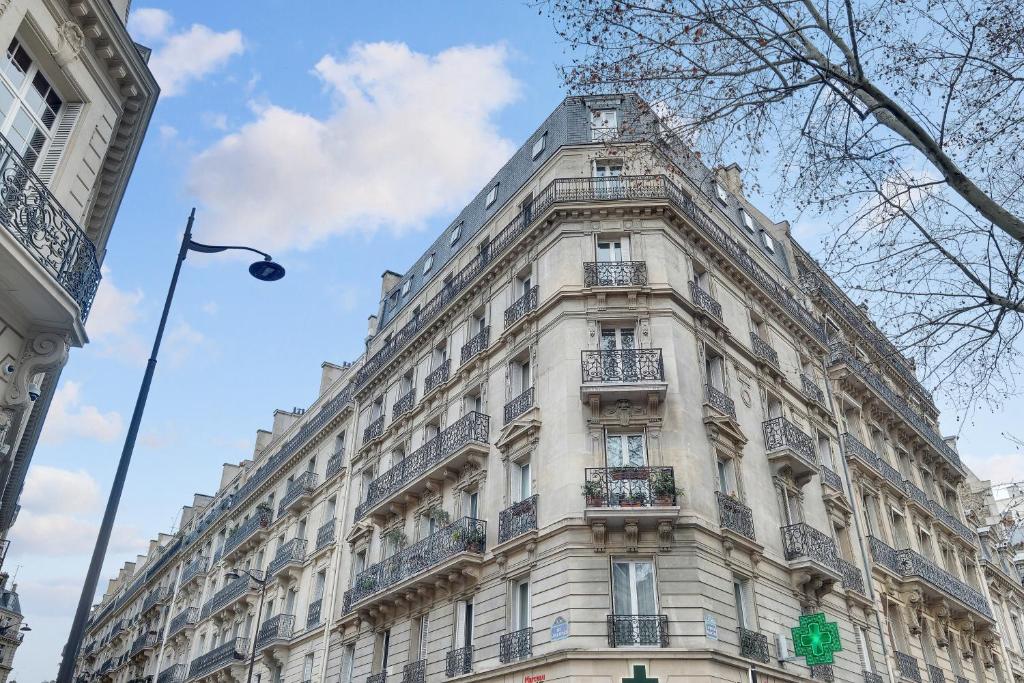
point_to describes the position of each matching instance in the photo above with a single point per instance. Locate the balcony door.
(634, 594)
(29, 106)
(625, 450)
(617, 361)
(611, 251)
(626, 480)
(607, 182)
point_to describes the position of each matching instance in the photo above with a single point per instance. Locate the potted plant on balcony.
(396, 538)
(594, 493)
(438, 514)
(475, 539)
(664, 489)
(633, 499)
(366, 583)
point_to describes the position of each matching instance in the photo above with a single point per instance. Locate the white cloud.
(215, 120)
(181, 341)
(168, 133)
(70, 419)
(56, 490)
(114, 311)
(410, 135)
(210, 308)
(149, 23)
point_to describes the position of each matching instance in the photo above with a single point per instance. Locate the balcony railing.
(377, 677)
(523, 305)
(186, 617)
(519, 405)
(259, 520)
(235, 589)
(37, 221)
(753, 645)
(909, 563)
(515, 646)
(735, 516)
(466, 535)
(853, 578)
(313, 613)
(800, 541)
(157, 597)
(517, 519)
(437, 377)
(623, 365)
(907, 666)
(219, 657)
(859, 451)
(173, 674)
(477, 344)
(704, 301)
(292, 552)
(612, 487)
(459, 662)
(373, 430)
(718, 400)
(302, 485)
(811, 389)
(144, 642)
(473, 427)
(615, 274)
(781, 433)
(831, 478)
(947, 518)
(872, 677)
(404, 404)
(325, 534)
(822, 672)
(276, 628)
(935, 674)
(763, 350)
(415, 672)
(637, 629)
(335, 463)
(194, 570)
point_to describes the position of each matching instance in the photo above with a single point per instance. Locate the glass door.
(619, 361)
(633, 595)
(627, 478)
(607, 182)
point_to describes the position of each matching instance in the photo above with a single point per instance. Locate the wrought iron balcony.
(467, 436)
(853, 577)
(373, 430)
(935, 674)
(910, 565)
(523, 305)
(763, 350)
(954, 524)
(250, 530)
(915, 494)
(907, 666)
(459, 662)
(47, 232)
(466, 535)
(822, 672)
(515, 646)
(622, 366)
(803, 543)
(157, 597)
(404, 404)
(476, 345)
(415, 672)
(705, 302)
(378, 677)
(193, 570)
(299, 492)
(173, 674)
(519, 405)
(325, 534)
(186, 618)
(517, 519)
(788, 446)
(718, 400)
(229, 594)
(629, 487)
(144, 642)
(831, 478)
(615, 274)
(811, 389)
(872, 677)
(735, 516)
(226, 654)
(753, 645)
(855, 450)
(626, 630)
(290, 554)
(313, 613)
(438, 376)
(276, 629)
(335, 463)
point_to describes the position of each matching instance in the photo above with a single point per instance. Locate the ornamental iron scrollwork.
(523, 305)
(623, 365)
(615, 274)
(637, 629)
(515, 646)
(735, 516)
(517, 519)
(519, 405)
(781, 433)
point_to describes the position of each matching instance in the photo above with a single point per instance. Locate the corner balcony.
(175, 673)
(913, 568)
(299, 494)
(789, 449)
(251, 532)
(515, 646)
(615, 274)
(183, 622)
(476, 345)
(812, 555)
(636, 375)
(525, 304)
(41, 243)
(455, 550)
(276, 630)
(735, 517)
(232, 654)
(631, 630)
(287, 562)
(235, 592)
(630, 498)
(449, 451)
(193, 570)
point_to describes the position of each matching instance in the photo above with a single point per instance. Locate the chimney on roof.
(731, 177)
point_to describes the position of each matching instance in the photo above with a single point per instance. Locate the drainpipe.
(333, 573)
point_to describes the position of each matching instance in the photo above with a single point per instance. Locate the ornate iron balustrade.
(735, 516)
(804, 541)
(144, 642)
(477, 344)
(279, 627)
(466, 535)
(38, 222)
(437, 377)
(517, 519)
(186, 617)
(781, 433)
(515, 645)
(822, 672)
(219, 657)
(915, 493)
(872, 677)
(753, 645)
(173, 674)
(471, 427)
(325, 534)
(853, 578)
(623, 365)
(106, 666)
(335, 463)
(961, 679)
(704, 301)
(259, 520)
(415, 672)
(854, 448)
(907, 666)
(292, 552)
(763, 350)
(157, 597)
(373, 430)
(615, 274)
(194, 569)
(313, 613)
(718, 400)
(811, 389)
(378, 677)
(935, 674)
(947, 518)
(637, 629)
(831, 478)
(459, 662)
(523, 305)
(630, 487)
(404, 404)
(234, 589)
(519, 405)
(302, 485)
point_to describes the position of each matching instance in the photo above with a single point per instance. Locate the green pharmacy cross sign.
(815, 639)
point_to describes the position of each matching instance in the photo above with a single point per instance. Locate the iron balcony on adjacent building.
(176, 673)
(250, 533)
(299, 493)
(789, 448)
(812, 552)
(525, 304)
(232, 652)
(193, 570)
(276, 629)
(183, 621)
(232, 592)
(287, 562)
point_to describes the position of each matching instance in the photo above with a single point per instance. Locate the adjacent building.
(614, 423)
(12, 626)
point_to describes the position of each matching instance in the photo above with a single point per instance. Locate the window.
(348, 660)
(521, 604)
(307, 668)
(383, 647)
(539, 145)
(29, 106)
(420, 641)
(520, 376)
(471, 504)
(473, 403)
(790, 504)
(604, 125)
(607, 182)
(330, 510)
(523, 484)
(633, 588)
(741, 594)
(727, 476)
(767, 241)
(825, 451)
(748, 222)
(714, 370)
(406, 286)
(463, 623)
(924, 539)
(720, 192)
(456, 233)
(428, 264)
(773, 406)
(899, 530)
(609, 251)
(319, 584)
(625, 450)
(492, 196)
(359, 563)
(864, 647)
(438, 356)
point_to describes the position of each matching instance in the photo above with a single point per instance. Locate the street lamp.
(234, 574)
(266, 270)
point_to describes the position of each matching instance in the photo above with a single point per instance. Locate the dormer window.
(604, 125)
(540, 145)
(456, 233)
(768, 242)
(406, 286)
(428, 264)
(492, 196)
(748, 222)
(723, 196)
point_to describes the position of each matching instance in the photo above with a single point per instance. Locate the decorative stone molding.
(42, 353)
(70, 41)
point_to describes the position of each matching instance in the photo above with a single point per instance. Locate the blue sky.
(340, 138)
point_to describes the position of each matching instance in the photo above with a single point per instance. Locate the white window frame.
(456, 234)
(520, 622)
(20, 103)
(406, 287)
(428, 264)
(539, 145)
(720, 192)
(492, 196)
(767, 241)
(748, 221)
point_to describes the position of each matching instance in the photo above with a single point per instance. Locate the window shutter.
(68, 117)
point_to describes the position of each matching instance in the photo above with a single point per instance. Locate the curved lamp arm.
(214, 249)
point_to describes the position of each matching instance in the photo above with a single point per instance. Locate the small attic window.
(748, 222)
(406, 286)
(456, 233)
(428, 264)
(723, 196)
(492, 196)
(540, 145)
(769, 243)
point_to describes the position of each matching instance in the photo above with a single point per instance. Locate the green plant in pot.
(367, 583)
(635, 498)
(438, 514)
(396, 537)
(594, 493)
(663, 487)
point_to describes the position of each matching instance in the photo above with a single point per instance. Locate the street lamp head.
(266, 270)
(26, 627)
(233, 574)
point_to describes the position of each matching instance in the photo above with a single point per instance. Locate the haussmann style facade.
(613, 424)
